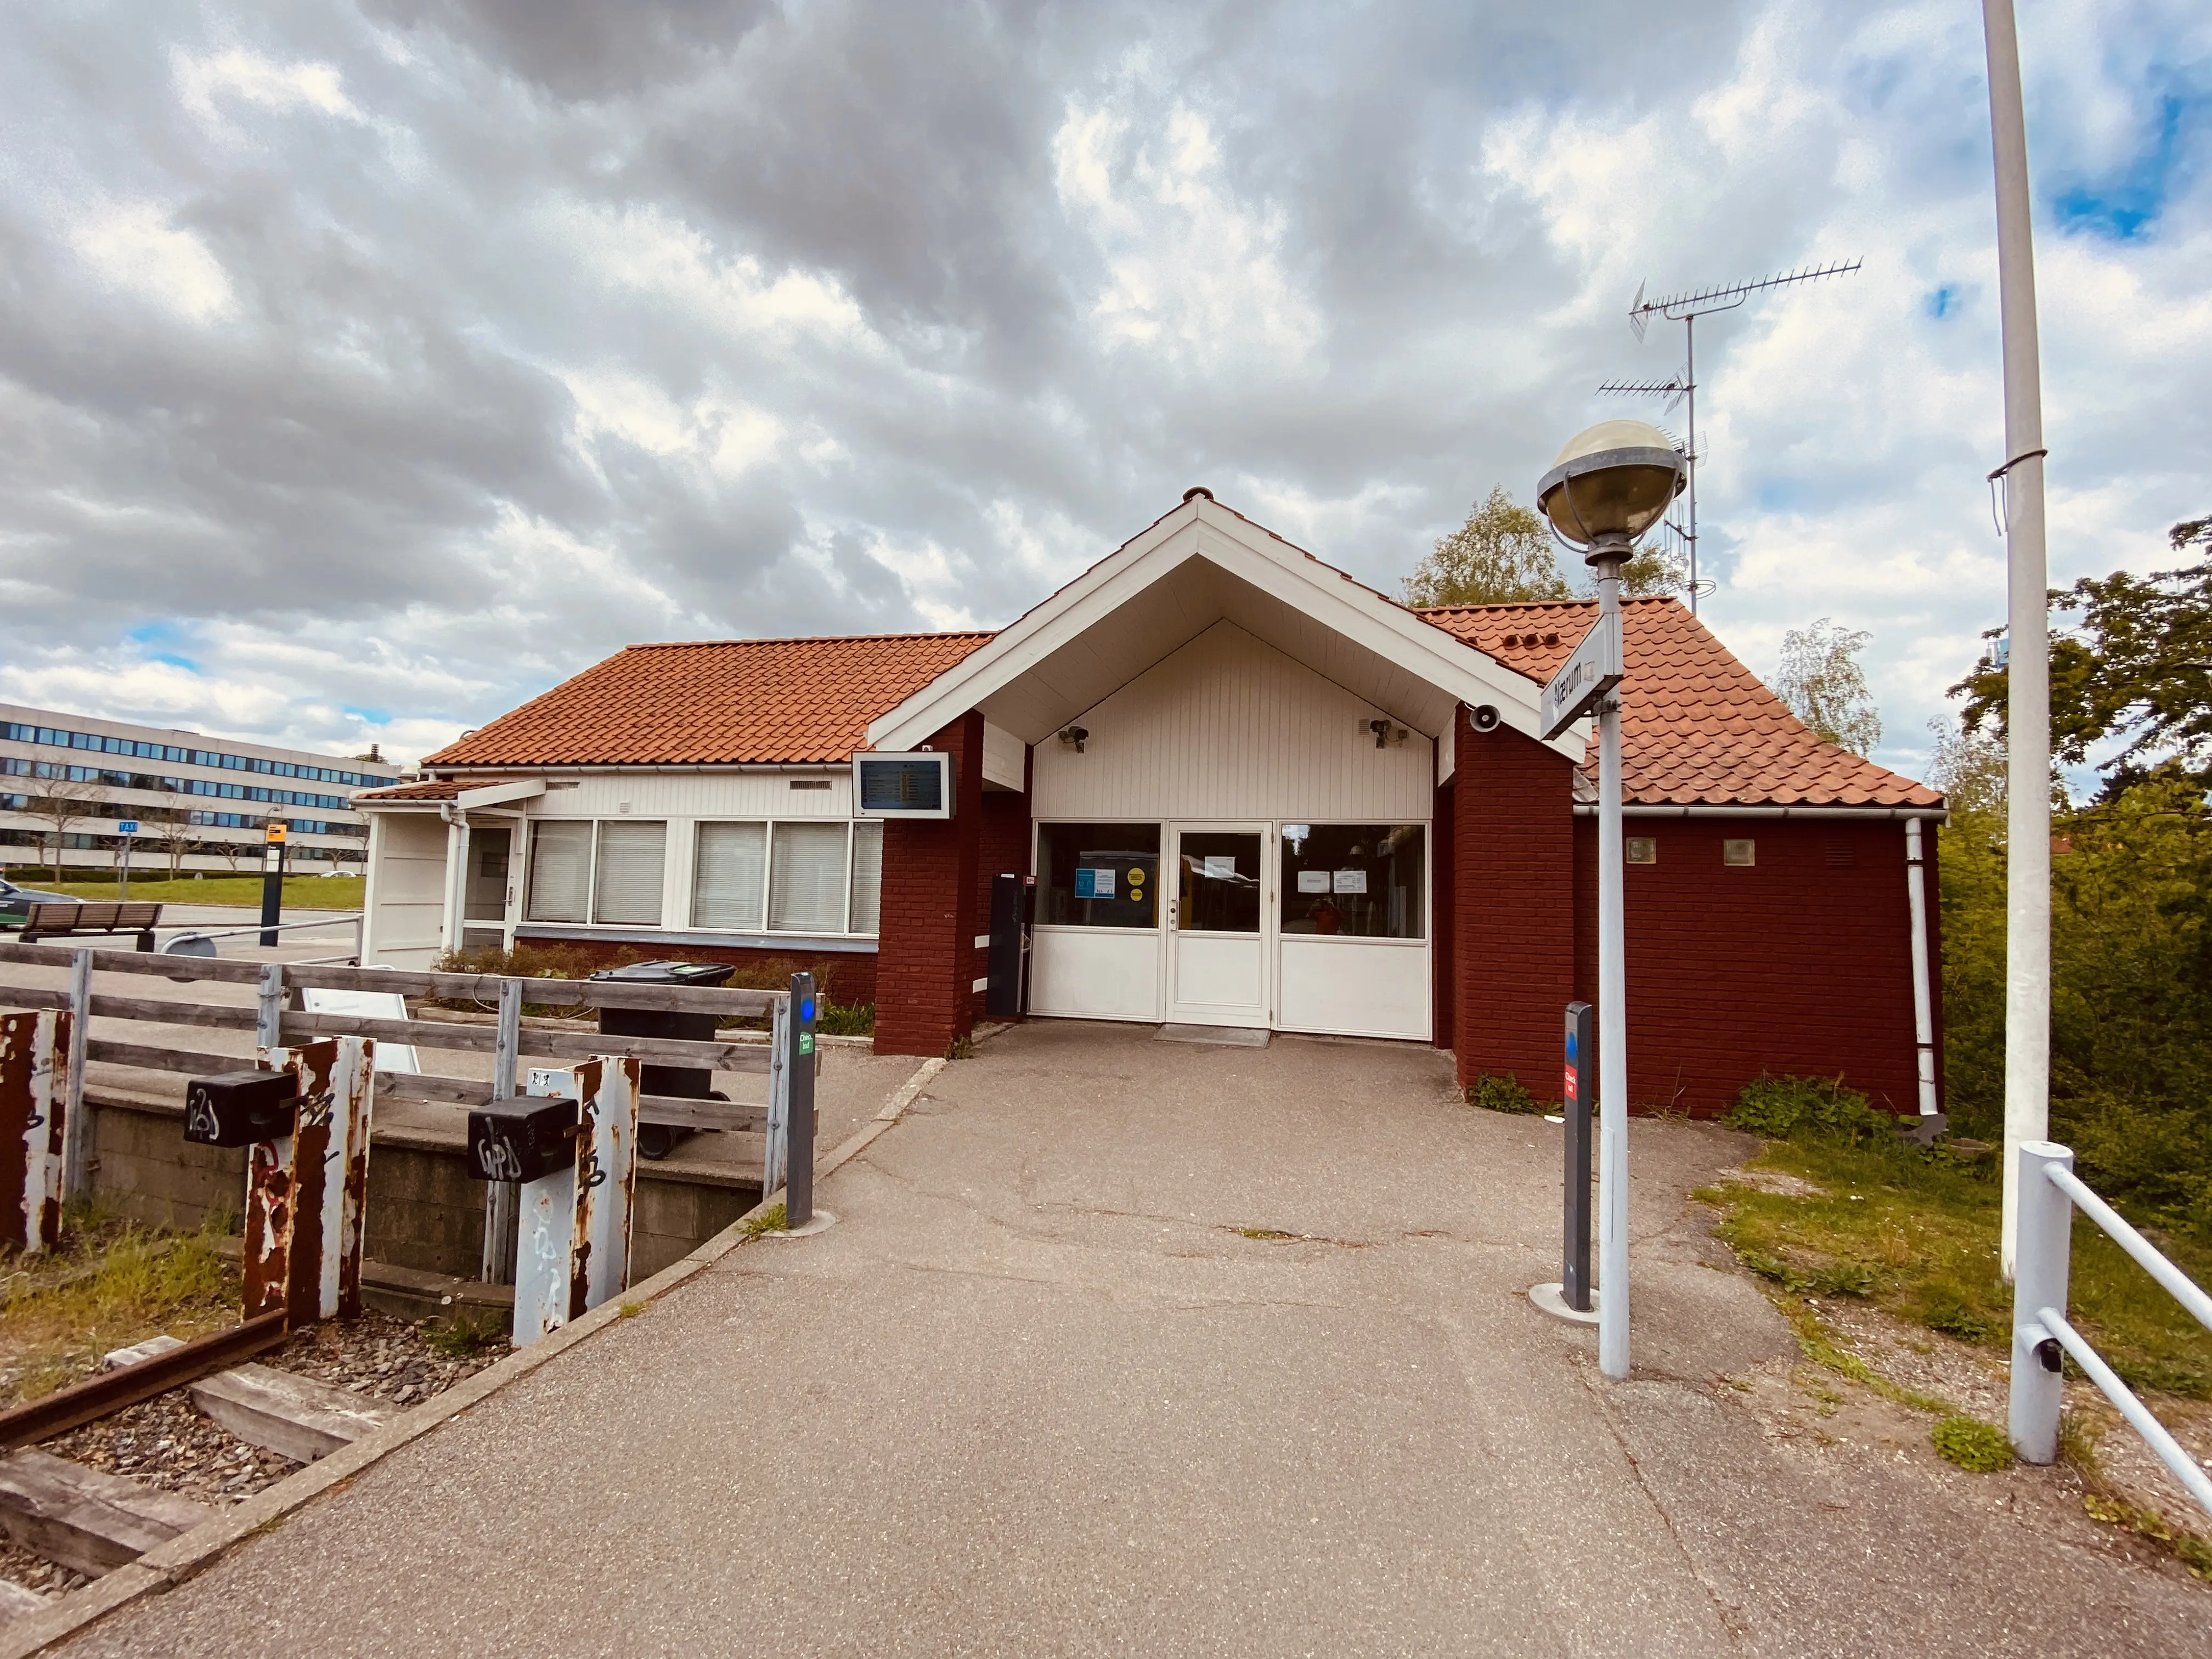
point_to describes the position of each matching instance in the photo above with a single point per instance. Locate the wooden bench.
(43, 921)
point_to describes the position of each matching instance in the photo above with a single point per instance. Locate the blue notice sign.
(126, 827)
(1094, 882)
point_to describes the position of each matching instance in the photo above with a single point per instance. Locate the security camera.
(1075, 735)
(1484, 719)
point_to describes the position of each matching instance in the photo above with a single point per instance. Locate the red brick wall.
(1800, 964)
(925, 952)
(845, 977)
(1513, 884)
(1441, 955)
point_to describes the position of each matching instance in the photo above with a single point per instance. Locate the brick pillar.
(926, 950)
(1443, 919)
(1513, 881)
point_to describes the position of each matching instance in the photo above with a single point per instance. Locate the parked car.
(15, 902)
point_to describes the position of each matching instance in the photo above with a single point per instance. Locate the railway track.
(89, 1520)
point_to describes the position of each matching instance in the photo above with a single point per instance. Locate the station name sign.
(1593, 670)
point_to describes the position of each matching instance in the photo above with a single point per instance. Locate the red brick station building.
(1250, 792)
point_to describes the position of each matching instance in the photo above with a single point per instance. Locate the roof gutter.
(1940, 814)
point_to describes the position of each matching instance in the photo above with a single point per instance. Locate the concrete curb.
(189, 1553)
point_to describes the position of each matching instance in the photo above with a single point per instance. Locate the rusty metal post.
(33, 1110)
(76, 1123)
(306, 1193)
(573, 1231)
(502, 1198)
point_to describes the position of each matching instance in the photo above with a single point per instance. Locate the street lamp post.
(1610, 484)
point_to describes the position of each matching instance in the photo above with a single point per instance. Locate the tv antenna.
(1682, 387)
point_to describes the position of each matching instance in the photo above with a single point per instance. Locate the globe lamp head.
(1611, 483)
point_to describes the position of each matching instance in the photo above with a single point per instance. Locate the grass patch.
(1271, 1233)
(1972, 1444)
(629, 1310)
(56, 1321)
(770, 1220)
(1915, 1233)
(300, 892)
(463, 1337)
(1494, 1092)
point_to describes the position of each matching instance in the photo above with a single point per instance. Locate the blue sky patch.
(1942, 302)
(2124, 206)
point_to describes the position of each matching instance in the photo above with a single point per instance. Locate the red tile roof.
(445, 790)
(1697, 727)
(715, 703)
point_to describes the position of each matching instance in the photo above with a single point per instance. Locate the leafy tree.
(1822, 683)
(2137, 667)
(1654, 574)
(1502, 555)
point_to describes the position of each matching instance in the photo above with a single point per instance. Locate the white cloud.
(1195, 274)
(135, 246)
(243, 77)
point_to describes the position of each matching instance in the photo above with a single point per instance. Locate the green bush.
(1972, 1444)
(1504, 1093)
(1785, 1107)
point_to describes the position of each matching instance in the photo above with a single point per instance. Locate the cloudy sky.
(365, 368)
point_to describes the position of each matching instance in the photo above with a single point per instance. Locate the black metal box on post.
(677, 1082)
(240, 1109)
(521, 1139)
(1007, 995)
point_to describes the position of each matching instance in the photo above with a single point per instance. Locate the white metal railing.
(2049, 1192)
(352, 919)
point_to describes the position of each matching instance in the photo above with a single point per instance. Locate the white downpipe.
(1924, 1013)
(2027, 716)
(457, 878)
(1612, 1024)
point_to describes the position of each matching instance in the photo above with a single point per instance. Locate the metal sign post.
(798, 1075)
(272, 881)
(128, 829)
(1572, 1297)
(1581, 1083)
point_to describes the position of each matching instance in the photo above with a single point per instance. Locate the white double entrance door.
(1221, 923)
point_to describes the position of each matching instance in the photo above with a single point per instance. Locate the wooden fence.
(508, 1038)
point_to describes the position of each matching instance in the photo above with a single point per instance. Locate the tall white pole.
(2027, 713)
(1612, 1020)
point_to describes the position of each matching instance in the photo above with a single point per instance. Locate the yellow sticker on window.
(1136, 874)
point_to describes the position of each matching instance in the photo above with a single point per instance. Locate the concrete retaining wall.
(424, 1212)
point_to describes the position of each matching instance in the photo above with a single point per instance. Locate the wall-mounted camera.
(1484, 718)
(1074, 736)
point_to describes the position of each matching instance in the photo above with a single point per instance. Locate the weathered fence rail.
(530, 1041)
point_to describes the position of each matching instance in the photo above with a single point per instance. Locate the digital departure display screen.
(902, 785)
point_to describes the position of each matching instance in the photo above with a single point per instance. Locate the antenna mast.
(1686, 308)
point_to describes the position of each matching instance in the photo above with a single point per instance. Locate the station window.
(1739, 852)
(1355, 880)
(1099, 875)
(1643, 849)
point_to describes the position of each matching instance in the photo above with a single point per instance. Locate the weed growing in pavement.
(1972, 1445)
(1494, 1093)
(463, 1337)
(770, 1220)
(629, 1310)
(1265, 1233)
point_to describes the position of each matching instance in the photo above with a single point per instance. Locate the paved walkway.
(1038, 1393)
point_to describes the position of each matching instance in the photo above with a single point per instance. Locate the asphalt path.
(1128, 1346)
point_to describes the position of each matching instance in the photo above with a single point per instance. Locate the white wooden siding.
(406, 899)
(1003, 756)
(700, 795)
(1229, 727)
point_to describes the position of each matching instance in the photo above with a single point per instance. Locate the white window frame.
(844, 929)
